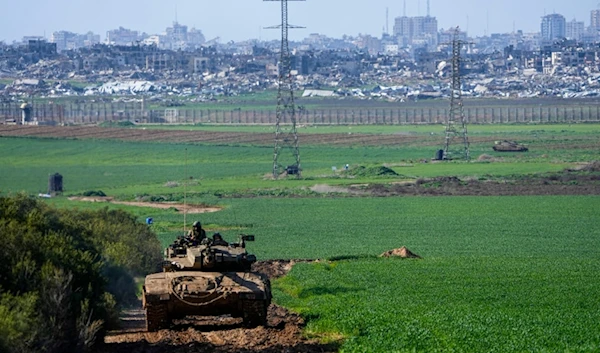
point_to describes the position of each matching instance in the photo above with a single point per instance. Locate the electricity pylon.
(286, 135)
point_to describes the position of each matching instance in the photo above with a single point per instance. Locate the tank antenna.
(185, 195)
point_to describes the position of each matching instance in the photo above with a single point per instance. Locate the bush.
(379, 171)
(124, 123)
(65, 271)
(94, 193)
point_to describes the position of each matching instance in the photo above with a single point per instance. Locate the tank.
(207, 279)
(509, 146)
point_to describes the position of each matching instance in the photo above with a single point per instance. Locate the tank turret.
(210, 255)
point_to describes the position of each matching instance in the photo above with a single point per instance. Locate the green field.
(498, 274)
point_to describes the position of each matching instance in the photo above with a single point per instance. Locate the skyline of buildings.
(412, 32)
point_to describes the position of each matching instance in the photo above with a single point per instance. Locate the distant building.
(554, 26)
(421, 30)
(122, 36)
(369, 43)
(447, 36)
(42, 47)
(403, 30)
(595, 19)
(195, 38)
(575, 30)
(62, 39)
(65, 40)
(178, 37)
(593, 31)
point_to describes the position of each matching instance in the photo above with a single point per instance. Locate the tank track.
(157, 317)
(254, 313)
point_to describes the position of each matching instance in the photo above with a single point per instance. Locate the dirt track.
(181, 208)
(196, 136)
(283, 332)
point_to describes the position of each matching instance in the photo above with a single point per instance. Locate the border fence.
(93, 113)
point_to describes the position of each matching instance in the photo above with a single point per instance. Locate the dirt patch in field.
(584, 181)
(283, 332)
(196, 136)
(402, 252)
(181, 208)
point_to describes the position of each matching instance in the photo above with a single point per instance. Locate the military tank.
(209, 278)
(509, 146)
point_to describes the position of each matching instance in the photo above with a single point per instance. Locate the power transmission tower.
(457, 114)
(286, 135)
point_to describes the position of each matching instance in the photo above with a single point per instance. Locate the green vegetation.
(506, 274)
(64, 274)
(465, 304)
(125, 123)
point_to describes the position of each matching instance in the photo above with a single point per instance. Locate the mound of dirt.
(446, 179)
(273, 268)
(402, 252)
(486, 157)
(592, 167)
(362, 171)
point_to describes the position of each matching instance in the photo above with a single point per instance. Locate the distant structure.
(594, 29)
(179, 37)
(595, 19)
(554, 26)
(456, 115)
(286, 135)
(420, 30)
(68, 40)
(55, 183)
(575, 30)
(122, 36)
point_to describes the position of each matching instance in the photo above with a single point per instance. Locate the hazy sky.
(244, 19)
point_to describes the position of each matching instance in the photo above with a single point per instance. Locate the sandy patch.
(181, 208)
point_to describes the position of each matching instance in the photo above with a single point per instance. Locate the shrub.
(94, 193)
(63, 271)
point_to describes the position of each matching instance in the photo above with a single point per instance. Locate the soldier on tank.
(218, 240)
(196, 234)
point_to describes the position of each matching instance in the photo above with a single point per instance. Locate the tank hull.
(173, 295)
(509, 146)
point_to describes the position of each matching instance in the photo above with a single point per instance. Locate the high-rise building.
(421, 29)
(595, 19)
(403, 26)
(554, 26)
(575, 30)
(177, 33)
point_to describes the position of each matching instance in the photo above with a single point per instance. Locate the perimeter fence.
(93, 113)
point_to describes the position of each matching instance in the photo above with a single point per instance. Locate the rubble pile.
(214, 74)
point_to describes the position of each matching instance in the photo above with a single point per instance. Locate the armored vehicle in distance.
(206, 279)
(509, 146)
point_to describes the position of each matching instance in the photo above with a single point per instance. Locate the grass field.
(499, 274)
(126, 169)
(507, 274)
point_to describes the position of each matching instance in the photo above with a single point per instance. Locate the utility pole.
(457, 114)
(286, 135)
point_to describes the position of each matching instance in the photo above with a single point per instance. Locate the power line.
(286, 135)
(456, 115)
